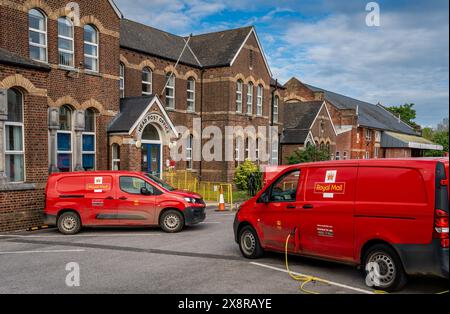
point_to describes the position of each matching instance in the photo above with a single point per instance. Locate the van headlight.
(190, 200)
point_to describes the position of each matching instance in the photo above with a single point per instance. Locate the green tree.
(243, 173)
(309, 154)
(406, 112)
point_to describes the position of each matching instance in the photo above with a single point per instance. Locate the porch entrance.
(152, 151)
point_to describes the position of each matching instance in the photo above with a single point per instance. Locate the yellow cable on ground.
(304, 278)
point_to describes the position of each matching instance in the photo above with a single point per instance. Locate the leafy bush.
(243, 174)
(309, 154)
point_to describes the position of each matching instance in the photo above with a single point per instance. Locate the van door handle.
(109, 198)
(308, 206)
(291, 207)
(123, 198)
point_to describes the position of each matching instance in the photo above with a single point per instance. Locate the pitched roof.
(131, 109)
(299, 121)
(294, 136)
(146, 39)
(219, 48)
(301, 114)
(370, 115)
(10, 58)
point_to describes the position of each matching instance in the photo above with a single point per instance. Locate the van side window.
(133, 185)
(285, 188)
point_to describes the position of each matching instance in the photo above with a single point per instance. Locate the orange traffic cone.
(221, 201)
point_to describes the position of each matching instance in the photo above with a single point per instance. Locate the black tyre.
(69, 223)
(249, 243)
(172, 221)
(389, 275)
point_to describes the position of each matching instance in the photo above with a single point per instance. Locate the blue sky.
(328, 44)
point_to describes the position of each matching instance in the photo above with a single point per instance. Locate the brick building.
(361, 130)
(81, 88)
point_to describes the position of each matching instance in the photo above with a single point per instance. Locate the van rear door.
(326, 219)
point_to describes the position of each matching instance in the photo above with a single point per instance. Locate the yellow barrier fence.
(210, 191)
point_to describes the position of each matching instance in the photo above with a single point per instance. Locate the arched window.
(147, 79)
(150, 133)
(250, 98)
(115, 153)
(191, 94)
(65, 42)
(239, 85)
(170, 90)
(259, 100)
(14, 141)
(91, 47)
(37, 28)
(122, 80)
(247, 149)
(274, 153)
(89, 140)
(276, 104)
(189, 144)
(64, 140)
(258, 150)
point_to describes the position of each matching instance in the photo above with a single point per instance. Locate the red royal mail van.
(389, 213)
(118, 198)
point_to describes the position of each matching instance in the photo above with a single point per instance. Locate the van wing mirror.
(145, 191)
(264, 198)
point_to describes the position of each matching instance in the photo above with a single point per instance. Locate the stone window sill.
(9, 187)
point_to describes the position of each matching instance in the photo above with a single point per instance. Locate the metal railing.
(210, 191)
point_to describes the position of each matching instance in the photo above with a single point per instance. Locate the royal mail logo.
(93, 186)
(335, 188)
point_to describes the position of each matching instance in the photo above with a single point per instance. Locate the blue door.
(151, 159)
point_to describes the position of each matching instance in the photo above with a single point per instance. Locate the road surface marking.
(45, 251)
(329, 282)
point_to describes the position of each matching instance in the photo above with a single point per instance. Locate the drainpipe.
(201, 123)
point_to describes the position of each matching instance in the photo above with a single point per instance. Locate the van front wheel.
(384, 269)
(69, 223)
(249, 243)
(172, 221)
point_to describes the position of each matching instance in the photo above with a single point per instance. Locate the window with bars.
(65, 42)
(91, 47)
(89, 143)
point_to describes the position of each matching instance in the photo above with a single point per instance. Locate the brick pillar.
(53, 126)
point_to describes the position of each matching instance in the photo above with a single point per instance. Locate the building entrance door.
(151, 159)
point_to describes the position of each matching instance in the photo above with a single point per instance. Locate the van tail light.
(441, 227)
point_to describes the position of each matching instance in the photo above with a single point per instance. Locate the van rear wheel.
(69, 223)
(172, 221)
(384, 269)
(249, 243)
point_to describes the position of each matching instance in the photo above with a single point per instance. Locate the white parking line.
(329, 282)
(81, 236)
(45, 251)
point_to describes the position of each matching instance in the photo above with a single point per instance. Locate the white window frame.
(276, 109)
(147, 83)
(376, 152)
(250, 88)
(190, 101)
(122, 80)
(189, 161)
(60, 152)
(368, 135)
(30, 29)
(170, 76)
(337, 156)
(345, 156)
(274, 153)
(258, 150)
(239, 89)
(367, 155)
(237, 150)
(377, 136)
(115, 161)
(96, 45)
(72, 40)
(259, 100)
(83, 152)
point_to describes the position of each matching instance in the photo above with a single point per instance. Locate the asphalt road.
(202, 259)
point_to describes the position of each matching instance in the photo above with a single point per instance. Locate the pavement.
(202, 259)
